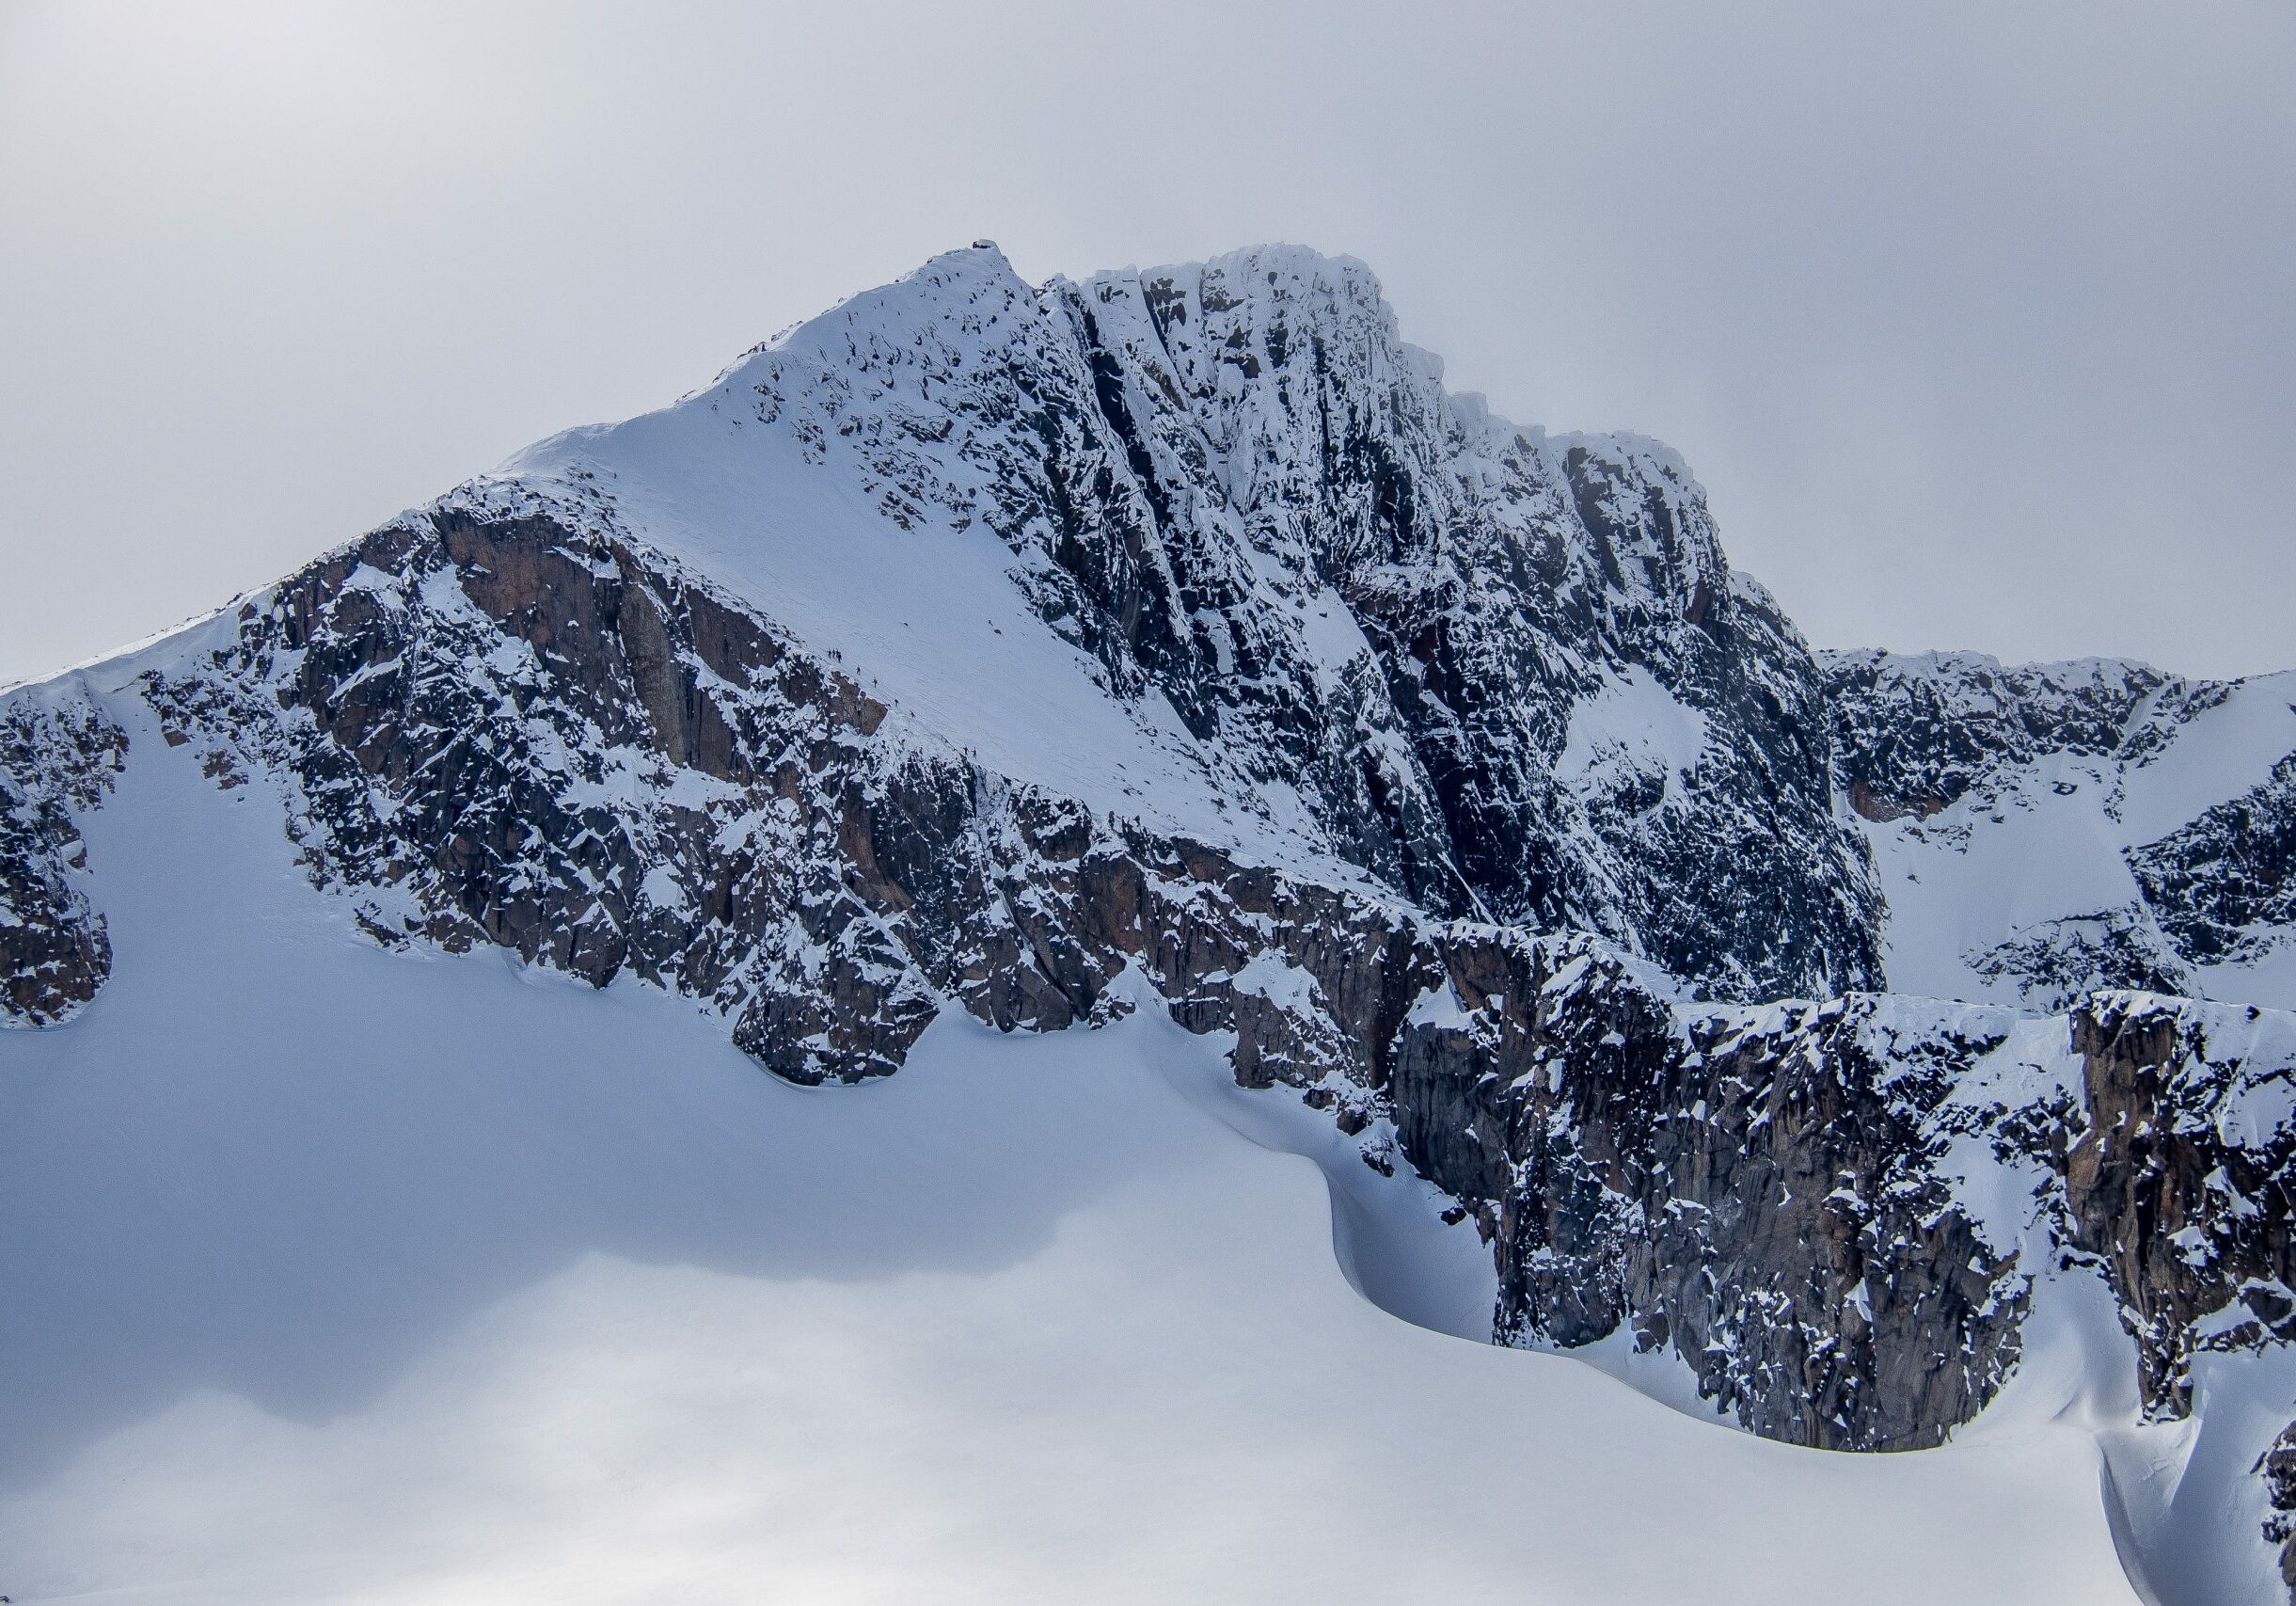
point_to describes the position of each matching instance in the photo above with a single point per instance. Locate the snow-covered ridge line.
(1265, 524)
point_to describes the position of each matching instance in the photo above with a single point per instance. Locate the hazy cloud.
(1978, 322)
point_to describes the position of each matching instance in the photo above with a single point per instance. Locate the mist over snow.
(338, 1274)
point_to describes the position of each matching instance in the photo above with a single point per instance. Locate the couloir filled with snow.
(339, 1274)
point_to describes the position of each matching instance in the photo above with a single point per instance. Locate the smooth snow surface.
(1632, 726)
(930, 618)
(341, 1275)
(2047, 841)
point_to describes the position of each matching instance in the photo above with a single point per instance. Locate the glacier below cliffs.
(343, 1274)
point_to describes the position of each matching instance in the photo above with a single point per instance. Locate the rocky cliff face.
(1236, 485)
(57, 754)
(1506, 583)
(2224, 886)
(1914, 735)
(2178, 1177)
(1444, 765)
(1756, 1188)
(2133, 826)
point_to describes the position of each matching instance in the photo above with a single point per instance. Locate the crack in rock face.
(1468, 791)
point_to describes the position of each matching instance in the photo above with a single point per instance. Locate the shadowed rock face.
(1754, 1187)
(1500, 576)
(509, 719)
(2225, 883)
(1914, 735)
(2184, 1200)
(1195, 465)
(56, 755)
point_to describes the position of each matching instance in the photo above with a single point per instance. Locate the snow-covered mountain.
(1174, 643)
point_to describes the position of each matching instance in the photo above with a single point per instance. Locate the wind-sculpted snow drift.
(990, 647)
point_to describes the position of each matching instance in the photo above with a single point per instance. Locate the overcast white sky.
(1978, 322)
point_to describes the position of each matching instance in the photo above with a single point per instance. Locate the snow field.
(339, 1274)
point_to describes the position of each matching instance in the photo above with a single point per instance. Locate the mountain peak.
(1172, 642)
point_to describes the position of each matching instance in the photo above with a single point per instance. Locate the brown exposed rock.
(1874, 806)
(2187, 1222)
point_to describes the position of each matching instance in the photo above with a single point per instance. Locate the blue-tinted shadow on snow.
(276, 1160)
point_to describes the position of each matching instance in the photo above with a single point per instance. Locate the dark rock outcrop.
(57, 754)
(2276, 1467)
(2056, 964)
(2179, 1178)
(2225, 883)
(1915, 734)
(1755, 1188)
(497, 730)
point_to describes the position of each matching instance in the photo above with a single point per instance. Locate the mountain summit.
(1173, 640)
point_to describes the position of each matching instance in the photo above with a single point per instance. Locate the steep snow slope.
(343, 1274)
(1330, 610)
(932, 621)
